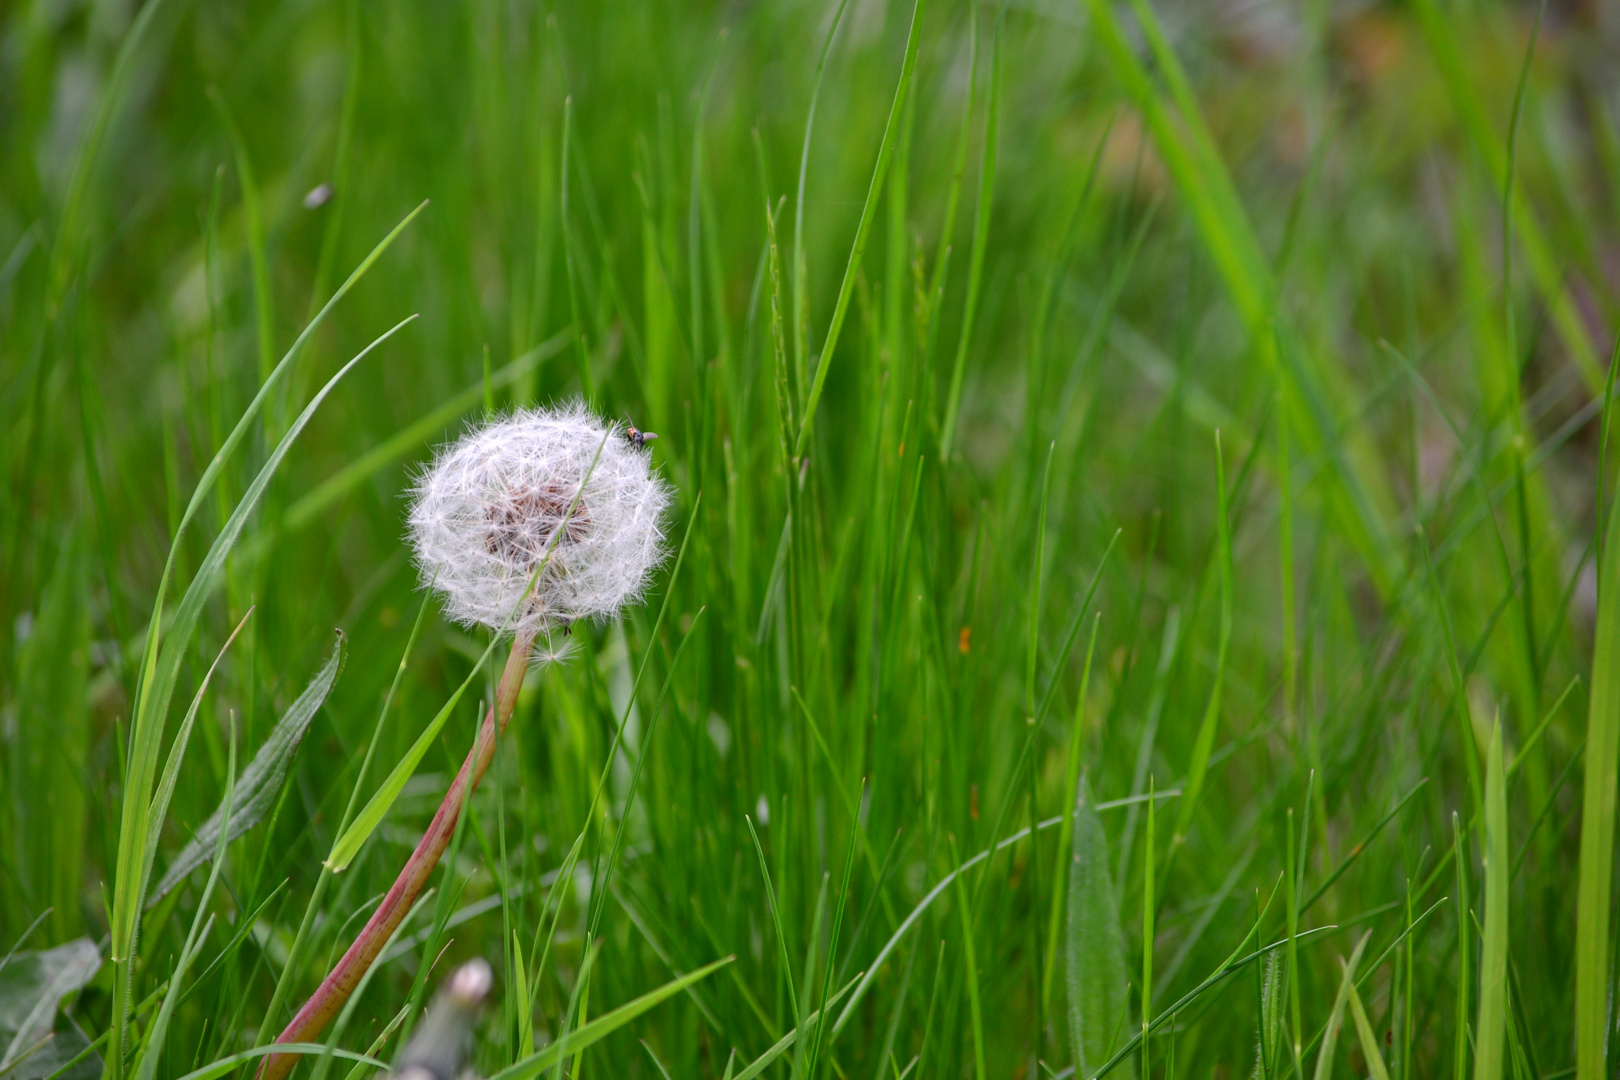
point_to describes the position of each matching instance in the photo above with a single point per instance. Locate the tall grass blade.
(1550, 279)
(1368, 1039)
(970, 972)
(1071, 780)
(782, 955)
(1330, 1036)
(1205, 740)
(981, 237)
(868, 211)
(1148, 908)
(1203, 180)
(263, 315)
(1601, 767)
(1268, 1039)
(801, 258)
(1493, 964)
(157, 1037)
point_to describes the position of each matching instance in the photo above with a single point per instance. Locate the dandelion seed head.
(485, 514)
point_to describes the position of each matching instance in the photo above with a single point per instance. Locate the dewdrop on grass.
(484, 516)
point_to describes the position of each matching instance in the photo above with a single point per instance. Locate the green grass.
(969, 332)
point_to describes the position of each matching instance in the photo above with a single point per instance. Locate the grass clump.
(1139, 482)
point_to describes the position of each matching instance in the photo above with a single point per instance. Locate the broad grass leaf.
(261, 781)
(177, 754)
(1095, 950)
(32, 987)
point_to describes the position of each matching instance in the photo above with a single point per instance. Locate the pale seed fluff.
(485, 514)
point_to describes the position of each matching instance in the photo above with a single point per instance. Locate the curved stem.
(341, 981)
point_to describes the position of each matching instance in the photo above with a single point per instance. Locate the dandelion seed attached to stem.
(525, 526)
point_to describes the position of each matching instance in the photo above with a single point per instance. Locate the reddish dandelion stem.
(340, 982)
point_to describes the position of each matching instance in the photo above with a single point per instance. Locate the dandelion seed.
(521, 493)
(553, 650)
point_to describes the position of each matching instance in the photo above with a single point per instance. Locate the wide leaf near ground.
(1095, 952)
(34, 1041)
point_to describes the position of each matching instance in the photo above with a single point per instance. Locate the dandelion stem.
(341, 981)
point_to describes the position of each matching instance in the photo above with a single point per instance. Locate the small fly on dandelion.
(635, 436)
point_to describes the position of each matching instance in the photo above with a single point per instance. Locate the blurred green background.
(1101, 237)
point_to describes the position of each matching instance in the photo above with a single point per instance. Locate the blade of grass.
(981, 237)
(157, 678)
(782, 956)
(786, 1042)
(970, 971)
(225, 1064)
(264, 317)
(177, 752)
(1148, 857)
(1459, 858)
(868, 212)
(1494, 954)
(1367, 1038)
(1442, 38)
(578, 1039)
(1601, 778)
(801, 260)
(157, 1037)
(1205, 741)
(1201, 176)
(1071, 779)
(1324, 1054)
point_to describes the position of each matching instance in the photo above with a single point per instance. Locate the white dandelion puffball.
(484, 516)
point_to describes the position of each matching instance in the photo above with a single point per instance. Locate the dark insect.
(636, 437)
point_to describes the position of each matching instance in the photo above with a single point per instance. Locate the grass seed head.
(486, 513)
